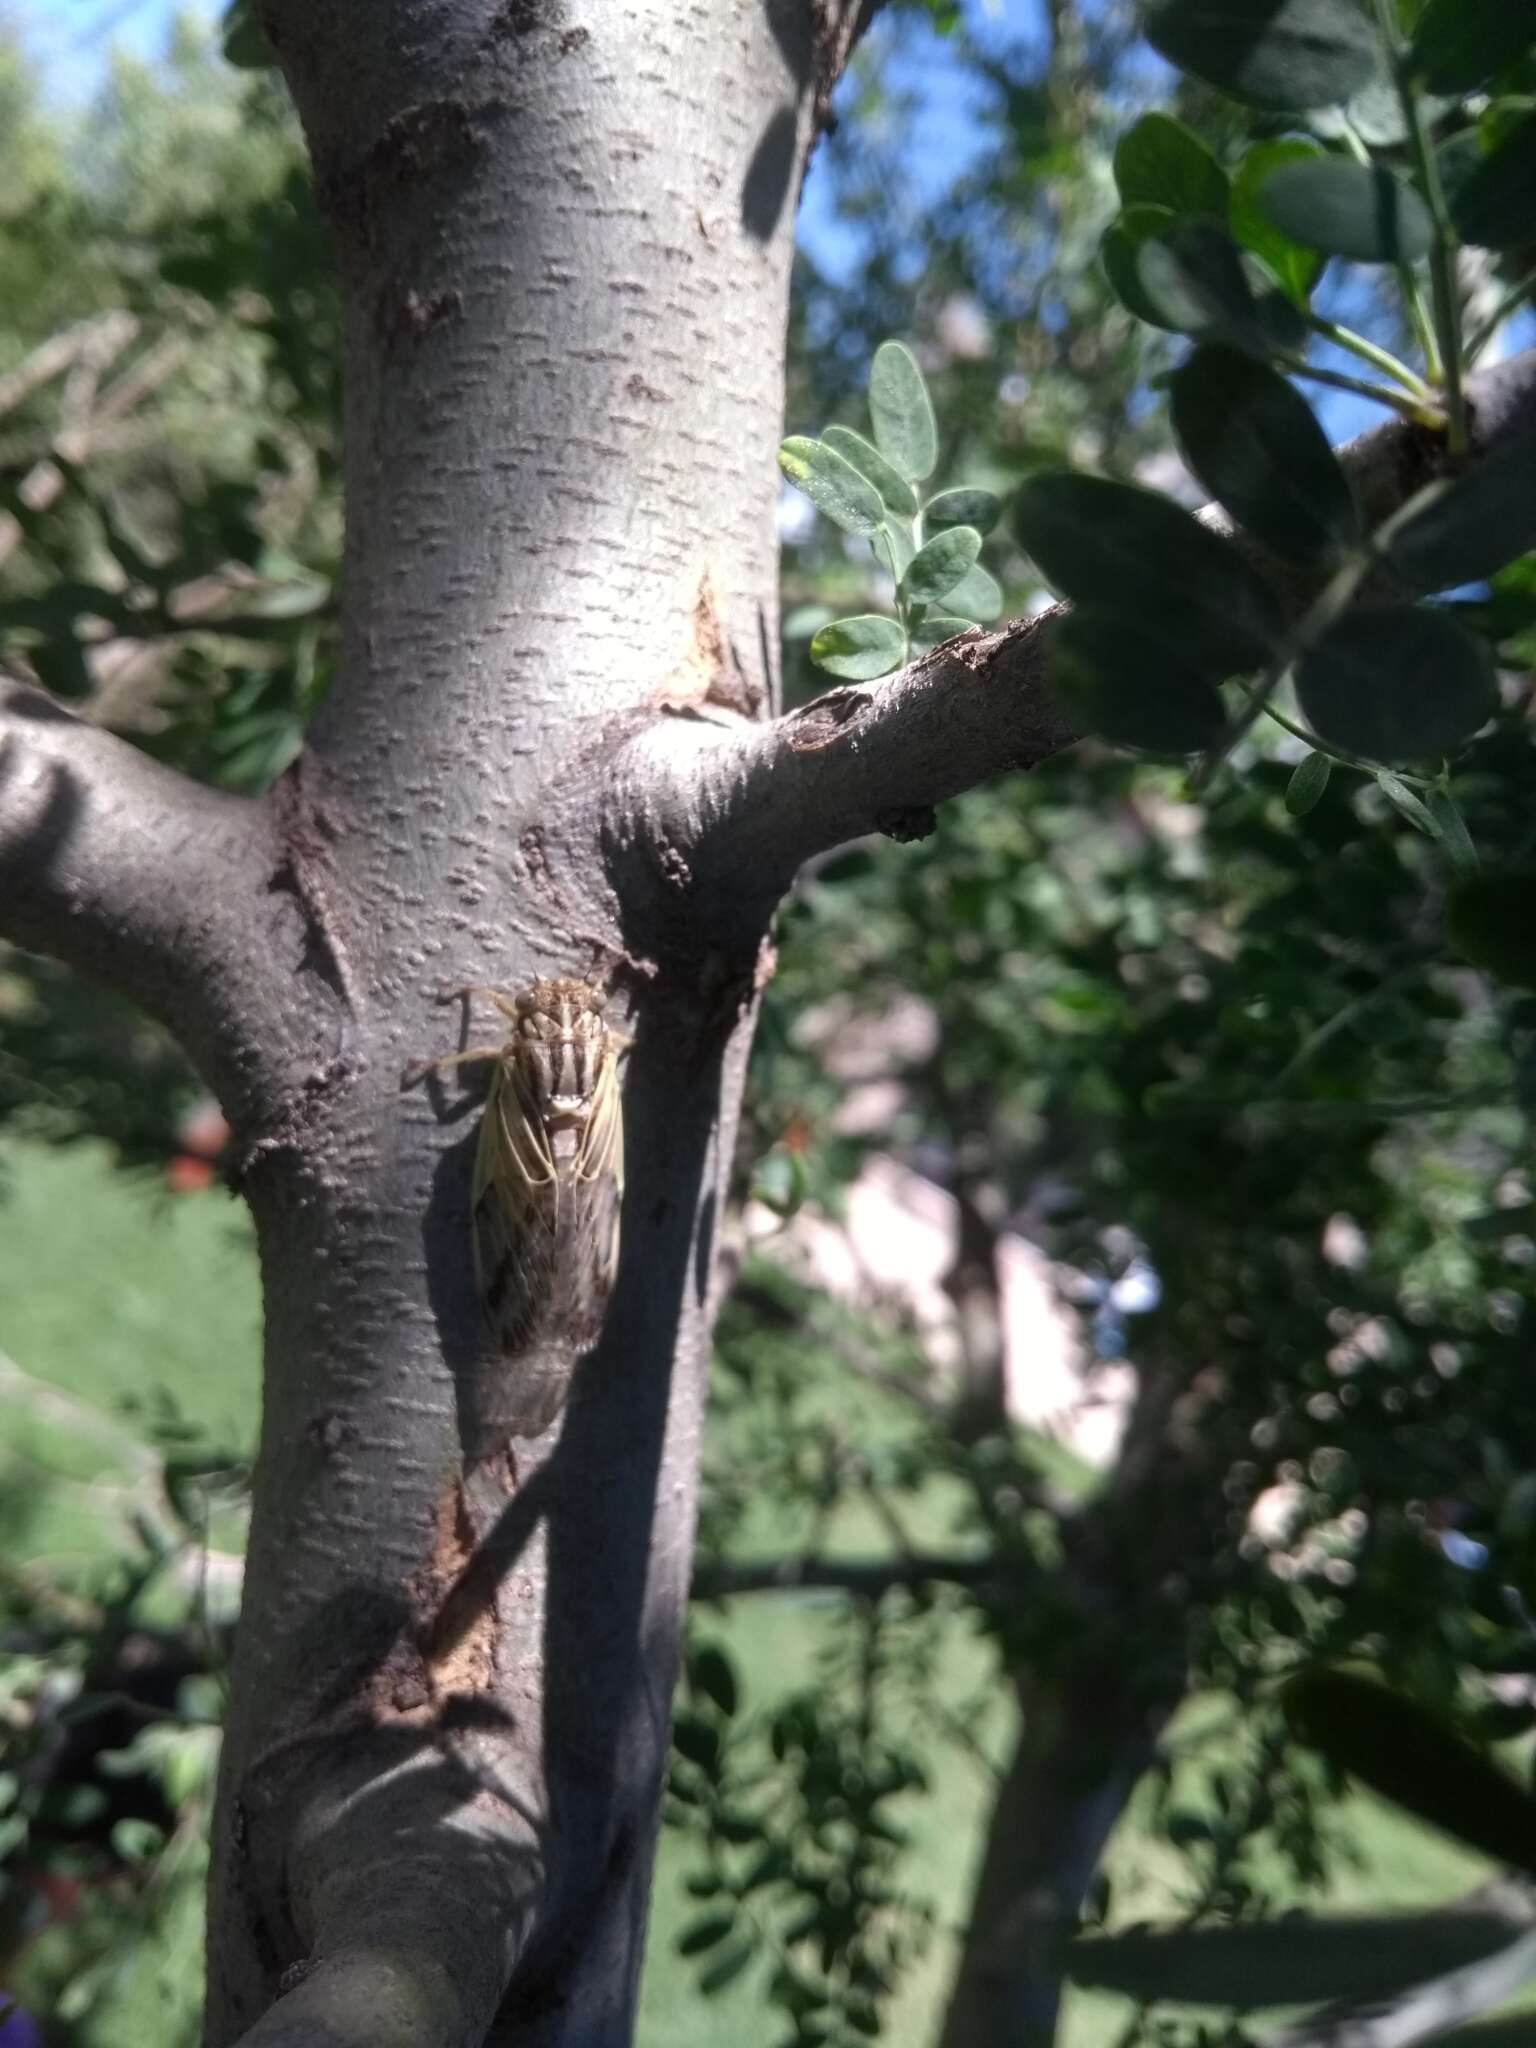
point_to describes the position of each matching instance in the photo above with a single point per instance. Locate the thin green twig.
(1380, 394)
(1369, 352)
(1311, 739)
(1509, 305)
(1326, 607)
(1407, 280)
(1442, 271)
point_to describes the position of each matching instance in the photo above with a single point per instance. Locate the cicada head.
(560, 1045)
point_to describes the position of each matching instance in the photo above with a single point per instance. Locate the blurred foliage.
(1217, 1061)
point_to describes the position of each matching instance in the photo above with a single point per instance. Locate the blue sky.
(71, 38)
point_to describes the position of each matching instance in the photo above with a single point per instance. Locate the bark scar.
(306, 832)
(464, 1662)
(825, 720)
(711, 680)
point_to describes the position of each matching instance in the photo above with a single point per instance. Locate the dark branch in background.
(877, 757)
(869, 1578)
(134, 875)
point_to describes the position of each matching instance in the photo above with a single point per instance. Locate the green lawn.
(119, 1302)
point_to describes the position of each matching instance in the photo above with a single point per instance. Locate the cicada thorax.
(547, 1190)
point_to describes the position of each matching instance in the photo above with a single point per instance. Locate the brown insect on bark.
(548, 1183)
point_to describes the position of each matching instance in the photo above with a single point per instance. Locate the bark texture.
(563, 233)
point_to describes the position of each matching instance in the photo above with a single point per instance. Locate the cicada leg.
(458, 995)
(419, 1069)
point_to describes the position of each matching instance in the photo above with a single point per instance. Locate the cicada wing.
(546, 1250)
(516, 1218)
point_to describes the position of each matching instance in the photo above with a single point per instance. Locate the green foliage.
(1459, 45)
(1492, 204)
(1190, 252)
(1254, 443)
(1342, 208)
(1297, 53)
(1160, 162)
(928, 549)
(1293, 264)
(1129, 685)
(793, 1815)
(1396, 685)
(1116, 545)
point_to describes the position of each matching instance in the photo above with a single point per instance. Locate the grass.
(120, 1305)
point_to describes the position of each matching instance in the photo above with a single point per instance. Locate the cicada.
(548, 1183)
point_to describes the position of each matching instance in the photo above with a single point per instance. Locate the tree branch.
(134, 875)
(879, 756)
(867, 1577)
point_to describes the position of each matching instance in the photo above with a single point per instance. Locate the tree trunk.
(564, 239)
(1084, 1743)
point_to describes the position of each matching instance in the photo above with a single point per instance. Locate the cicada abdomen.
(548, 1183)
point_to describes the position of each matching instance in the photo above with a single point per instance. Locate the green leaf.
(698, 1741)
(1160, 162)
(1406, 801)
(1255, 444)
(940, 564)
(1491, 920)
(1268, 53)
(779, 1181)
(1121, 547)
(1396, 685)
(1451, 831)
(963, 507)
(1470, 527)
(1192, 275)
(937, 627)
(725, 1969)
(1118, 247)
(1495, 204)
(1295, 265)
(832, 484)
(1405, 1754)
(711, 1672)
(1304, 791)
(858, 649)
(978, 595)
(1459, 45)
(1127, 686)
(902, 412)
(898, 494)
(1201, 282)
(136, 1841)
(705, 1934)
(1347, 209)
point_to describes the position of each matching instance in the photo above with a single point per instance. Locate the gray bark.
(563, 229)
(564, 235)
